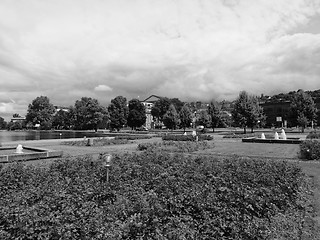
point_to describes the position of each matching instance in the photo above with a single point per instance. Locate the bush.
(239, 135)
(175, 146)
(133, 137)
(201, 137)
(96, 142)
(310, 150)
(313, 135)
(153, 196)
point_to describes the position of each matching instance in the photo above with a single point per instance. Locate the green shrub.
(310, 150)
(175, 146)
(313, 135)
(153, 196)
(172, 137)
(133, 137)
(239, 135)
(97, 142)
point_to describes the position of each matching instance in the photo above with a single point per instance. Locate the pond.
(9, 136)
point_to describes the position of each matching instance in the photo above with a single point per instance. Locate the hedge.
(154, 196)
(172, 137)
(313, 135)
(175, 146)
(310, 150)
(97, 142)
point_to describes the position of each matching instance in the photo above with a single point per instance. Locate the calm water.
(8, 136)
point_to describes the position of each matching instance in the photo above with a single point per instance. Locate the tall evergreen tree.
(137, 114)
(118, 112)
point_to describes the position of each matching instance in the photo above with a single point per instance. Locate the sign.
(279, 119)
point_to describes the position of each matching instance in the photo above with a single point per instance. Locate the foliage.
(63, 119)
(310, 150)
(3, 123)
(160, 108)
(201, 137)
(17, 125)
(214, 111)
(134, 137)
(247, 112)
(203, 119)
(88, 113)
(177, 103)
(137, 114)
(153, 195)
(239, 135)
(97, 142)
(41, 111)
(175, 146)
(302, 109)
(185, 117)
(118, 112)
(313, 135)
(171, 118)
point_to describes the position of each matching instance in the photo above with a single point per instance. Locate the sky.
(189, 49)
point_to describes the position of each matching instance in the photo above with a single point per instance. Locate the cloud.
(190, 49)
(103, 88)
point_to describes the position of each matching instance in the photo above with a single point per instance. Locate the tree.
(246, 111)
(185, 116)
(203, 119)
(88, 113)
(3, 123)
(160, 108)
(63, 119)
(302, 109)
(41, 111)
(177, 103)
(137, 114)
(118, 112)
(214, 111)
(171, 118)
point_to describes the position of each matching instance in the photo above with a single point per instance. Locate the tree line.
(88, 114)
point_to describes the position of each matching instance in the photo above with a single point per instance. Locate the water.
(9, 136)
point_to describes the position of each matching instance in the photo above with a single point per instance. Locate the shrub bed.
(172, 137)
(310, 150)
(175, 146)
(313, 135)
(239, 135)
(153, 196)
(134, 137)
(97, 142)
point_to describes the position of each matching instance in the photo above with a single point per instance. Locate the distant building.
(58, 108)
(17, 119)
(148, 103)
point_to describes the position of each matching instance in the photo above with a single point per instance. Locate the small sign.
(279, 119)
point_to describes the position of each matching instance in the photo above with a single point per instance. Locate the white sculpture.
(19, 148)
(263, 136)
(283, 134)
(276, 135)
(185, 133)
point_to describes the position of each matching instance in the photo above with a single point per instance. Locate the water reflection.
(8, 136)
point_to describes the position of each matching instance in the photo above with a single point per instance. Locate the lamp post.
(106, 158)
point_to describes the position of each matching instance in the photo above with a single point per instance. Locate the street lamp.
(106, 162)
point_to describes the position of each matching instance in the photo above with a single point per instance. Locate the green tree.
(41, 111)
(302, 110)
(185, 116)
(246, 111)
(171, 118)
(3, 123)
(137, 114)
(160, 108)
(203, 119)
(88, 113)
(63, 119)
(118, 112)
(214, 111)
(177, 103)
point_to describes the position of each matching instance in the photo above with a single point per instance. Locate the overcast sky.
(190, 49)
